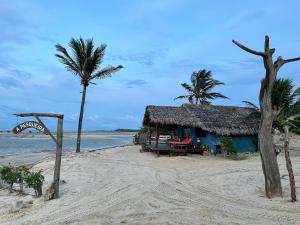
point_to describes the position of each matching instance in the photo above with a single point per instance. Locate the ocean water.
(33, 142)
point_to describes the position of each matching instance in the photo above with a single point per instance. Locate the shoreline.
(15, 145)
(33, 158)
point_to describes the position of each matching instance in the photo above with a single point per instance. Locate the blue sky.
(159, 43)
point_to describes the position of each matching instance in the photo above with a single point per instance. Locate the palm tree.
(200, 90)
(84, 62)
(286, 104)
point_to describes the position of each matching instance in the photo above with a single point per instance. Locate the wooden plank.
(40, 115)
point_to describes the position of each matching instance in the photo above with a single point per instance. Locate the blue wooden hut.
(205, 124)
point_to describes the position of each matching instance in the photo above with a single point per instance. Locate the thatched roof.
(222, 120)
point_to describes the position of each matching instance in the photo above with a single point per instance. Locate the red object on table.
(186, 141)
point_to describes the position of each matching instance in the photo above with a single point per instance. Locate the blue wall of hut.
(243, 143)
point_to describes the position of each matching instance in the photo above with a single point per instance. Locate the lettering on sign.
(29, 124)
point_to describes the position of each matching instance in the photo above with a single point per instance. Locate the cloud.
(11, 78)
(254, 15)
(246, 63)
(14, 28)
(9, 82)
(113, 122)
(194, 65)
(136, 83)
(145, 58)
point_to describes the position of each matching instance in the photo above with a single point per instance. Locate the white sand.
(124, 186)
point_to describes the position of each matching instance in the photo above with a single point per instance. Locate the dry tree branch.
(248, 49)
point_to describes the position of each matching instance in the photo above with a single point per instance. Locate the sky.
(159, 43)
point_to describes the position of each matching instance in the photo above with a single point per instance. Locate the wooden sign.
(30, 124)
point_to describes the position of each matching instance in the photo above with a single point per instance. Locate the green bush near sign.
(21, 175)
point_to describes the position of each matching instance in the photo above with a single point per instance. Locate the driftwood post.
(289, 164)
(58, 140)
(268, 156)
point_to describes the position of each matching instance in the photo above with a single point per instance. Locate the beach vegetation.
(21, 175)
(227, 146)
(200, 91)
(84, 62)
(9, 176)
(142, 135)
(35, 180)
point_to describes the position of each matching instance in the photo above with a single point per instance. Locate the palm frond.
(282, 94)
(66, 59)
(95, 59)
(78, 48)
(187, 87)
(85, 60)
(201, 85)
(205, 102)
(297, 92)
(217, 82)
(251, 105)
(89, 48)
(182, 96)
(106, 72)
(191, 99)
(213, 95)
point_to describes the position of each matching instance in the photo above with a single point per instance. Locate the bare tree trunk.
(289, 164)
(80, 119)
(268, 155)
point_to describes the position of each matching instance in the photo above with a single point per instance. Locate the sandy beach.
(124, 186)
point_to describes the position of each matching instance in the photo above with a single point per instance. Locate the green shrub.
(141, 136)
(227, 146)
(35, 180)
(21, 173)
(204, 147)
(9, 176)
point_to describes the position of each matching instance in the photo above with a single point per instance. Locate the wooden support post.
(53, 190)
(149, 133)
(59, 142)
(157, 136)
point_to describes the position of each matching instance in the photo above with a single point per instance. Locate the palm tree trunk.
(80, 119)
(289, 164)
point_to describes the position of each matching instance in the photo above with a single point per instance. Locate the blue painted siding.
(245, 143)
(180, 133)
(242, 143)
(211, 140)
